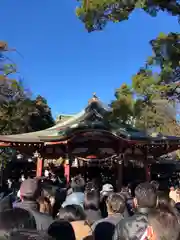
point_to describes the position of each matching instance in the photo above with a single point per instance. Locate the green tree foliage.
(24, 116)
(44, 118)
(19, 113)
(123, 105)
(166, 49)
(151, 100)
(95, 14)
(8, 86)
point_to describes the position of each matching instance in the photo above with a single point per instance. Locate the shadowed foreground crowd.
(88, 213)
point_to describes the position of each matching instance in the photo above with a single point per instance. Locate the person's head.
(45, 205)
(16, 218)
(172, 188)
(163, 200)
(125, 192)
(115, 203)
(104, 231)
(164, 225)
(145, 196)
(107, 189)
(155, 184)
(91, 200)
(124, 189)
(91, 186)
(72, 213)
(30, 189)
(61, 228)
(78, 184)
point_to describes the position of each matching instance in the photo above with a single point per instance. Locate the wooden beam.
(4, 144)
(56, 143)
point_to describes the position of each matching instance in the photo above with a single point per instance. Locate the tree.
(144, 110)
(9, 88)
(24, 116)
(150, 102)
(166, 49)
(44, 118)
(19, 113)
(123, 105)
(95, 14)
(166, 55)
(157, 112)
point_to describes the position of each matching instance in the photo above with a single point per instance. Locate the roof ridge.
(66, 115)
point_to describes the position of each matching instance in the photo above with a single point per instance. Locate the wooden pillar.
(39, 167)
(68, 163)
(67, 170)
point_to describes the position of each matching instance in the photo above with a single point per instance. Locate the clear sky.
(66, 64)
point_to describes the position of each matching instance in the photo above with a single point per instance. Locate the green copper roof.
(62, 118)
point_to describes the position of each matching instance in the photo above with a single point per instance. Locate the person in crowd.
(162, 224)
(145, 202)
(45, 205)
(76, 216)
(27, 234)
(6, 203)
(61, 228)
(30, 192)
(54, 179)
(126, 192)
(178, 194)
(174, 194)
(128, 208)
(16, 219)
(10, 183)
(107, 189)
(155, 184)
(92, 206)
(91, 186)
(104, 231)
(22, 178)
(72, 213)
(165, 201)
(115, 206)
(55, 194)
(77, 195)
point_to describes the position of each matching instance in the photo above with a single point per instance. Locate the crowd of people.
(88, 211)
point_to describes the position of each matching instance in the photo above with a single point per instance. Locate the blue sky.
(66, 64)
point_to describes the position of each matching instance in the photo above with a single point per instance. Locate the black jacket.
(6, 203)
(43, 221)
(132, 228)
